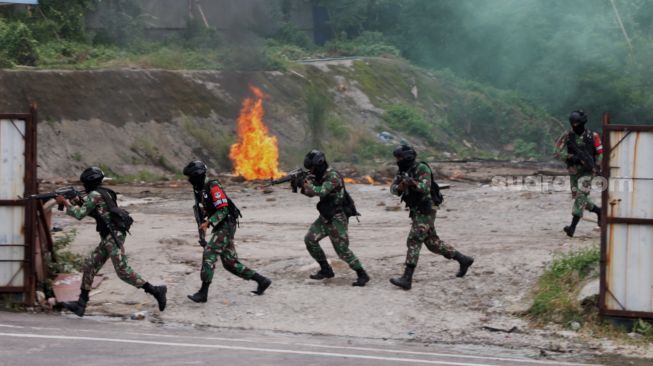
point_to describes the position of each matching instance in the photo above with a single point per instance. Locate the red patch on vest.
(218, 197)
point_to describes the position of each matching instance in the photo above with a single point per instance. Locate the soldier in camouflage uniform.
(582, 151)
(413, 184)
(222, 214)
(112, 235)
(333, 221)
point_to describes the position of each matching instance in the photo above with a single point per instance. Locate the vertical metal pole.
(605, 172)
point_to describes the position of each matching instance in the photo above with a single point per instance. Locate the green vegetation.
(555, 299)
(141, 176)
(76, 156)
(488, 71)
(317, 105)
(555, 296)
(407, 119)
(561, 54)
(66, 261)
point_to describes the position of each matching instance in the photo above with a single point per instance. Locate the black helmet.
(92, 175)
(315, 158)
(577, 117)
(405, 152)
(195, 168)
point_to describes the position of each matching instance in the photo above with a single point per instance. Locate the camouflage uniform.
(580, 177)
(332, 186)
(107, 248)
(422, 229)
(221, 244)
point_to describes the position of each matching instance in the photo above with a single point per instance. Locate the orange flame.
(365, 180)
(256, 154)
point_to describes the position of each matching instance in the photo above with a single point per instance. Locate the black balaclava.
(315, 161)
(577, 120)
(196, 173)
(405, 155)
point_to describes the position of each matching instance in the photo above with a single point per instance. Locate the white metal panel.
(632, 158)
(12, 159)
(12, 233)
(629, 267)
(12, 218)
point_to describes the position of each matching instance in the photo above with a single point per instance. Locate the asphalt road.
(40, 339)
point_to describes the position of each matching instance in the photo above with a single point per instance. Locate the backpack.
(348, 205)
(120, 219)
(436, 194)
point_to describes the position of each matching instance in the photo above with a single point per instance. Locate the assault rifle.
(295, 177)
(198, 211)
(584, 158)
(67, 192)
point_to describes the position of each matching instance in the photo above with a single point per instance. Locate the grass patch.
(142, 176)
(555, 295)
(555, 300)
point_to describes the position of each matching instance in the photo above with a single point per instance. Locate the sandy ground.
(512, 235)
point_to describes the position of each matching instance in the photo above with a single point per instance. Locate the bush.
(278, 55)
(407, 119)
(198, 36)
(18, 44)
(525, 149)
(367, 44)
(66, 261)
(291, 35)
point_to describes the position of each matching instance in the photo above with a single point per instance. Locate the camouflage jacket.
(563, 154)
(94, 206)
(420, 192)
(329, 188)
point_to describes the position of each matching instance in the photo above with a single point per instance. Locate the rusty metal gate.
(627, 224)
(17, 216)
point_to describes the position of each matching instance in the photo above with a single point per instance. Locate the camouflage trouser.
(423, 231)
(105, 250)
(336, 230)
(222, 245)
(580, 190)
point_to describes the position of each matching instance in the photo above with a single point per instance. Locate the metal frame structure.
(30, 223)
(609, 221)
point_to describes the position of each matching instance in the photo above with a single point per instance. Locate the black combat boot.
(572, 228)
(263, 283)
(597, 211)
(159, 293)
(464, 261)
(201, 295)
(362, 279)
(78, 307)
(325, 271)
(405, 281)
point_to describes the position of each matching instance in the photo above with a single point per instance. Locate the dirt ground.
(512, 235)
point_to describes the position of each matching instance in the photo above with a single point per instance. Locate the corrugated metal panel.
(12, 159)
(627, 287)
(631, 175)
(12, 218)
(12, 241)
